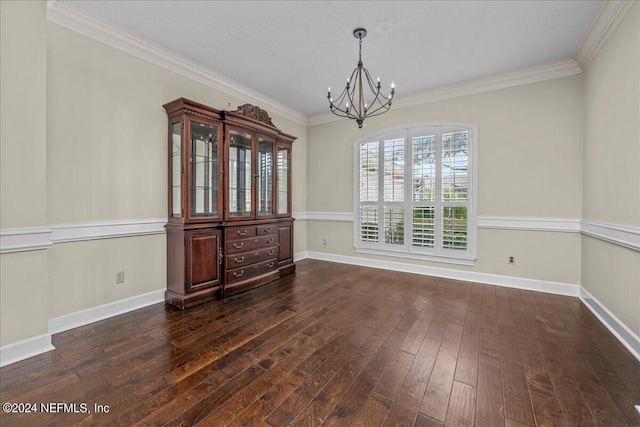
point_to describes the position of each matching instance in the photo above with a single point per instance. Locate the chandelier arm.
(377, 111)
(347, 93)
(354, 81)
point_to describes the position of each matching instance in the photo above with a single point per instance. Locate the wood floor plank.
(595, 395)
(374, 411)
(262, 407)
(277, 364)
(547, 410)
(424, 421)
(336, 344)
(418, 332)
(537, 373)
(405, 407)
(467, 366)
(324, 402)
(462, 408)
(490, 397)
(567, 391)
(517, 402)
(349, 405)
(436, 398)
(310, 387)
(394, 376)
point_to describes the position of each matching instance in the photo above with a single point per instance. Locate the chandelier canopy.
(353, 105)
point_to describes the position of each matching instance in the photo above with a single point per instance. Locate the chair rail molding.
(37, 238)
(25, 239)
(622, 235)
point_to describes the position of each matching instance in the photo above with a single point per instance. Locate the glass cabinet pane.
(204, 170)
(239, 174)
(265, 177)
(176, 169)
(283, 180)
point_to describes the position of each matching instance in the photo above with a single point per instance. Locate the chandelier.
(353, 106)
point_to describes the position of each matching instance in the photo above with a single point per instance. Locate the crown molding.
(535, 74)
(71, 18)
(605, 22)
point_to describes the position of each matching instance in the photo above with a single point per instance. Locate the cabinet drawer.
(246, 245)
(251, 271)
(246, 258)
(265, 229)
(234, 233)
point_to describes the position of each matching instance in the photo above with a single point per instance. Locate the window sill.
(460, 260)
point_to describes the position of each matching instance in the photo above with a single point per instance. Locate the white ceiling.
(292, 50)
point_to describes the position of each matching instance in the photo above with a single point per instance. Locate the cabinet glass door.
(203, 197)
(283, 180)
(176, 170)
(239, 174)
(265, 177)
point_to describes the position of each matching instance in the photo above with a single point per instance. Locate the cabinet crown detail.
(256, 113)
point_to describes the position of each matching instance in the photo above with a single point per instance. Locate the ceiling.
(292, 50)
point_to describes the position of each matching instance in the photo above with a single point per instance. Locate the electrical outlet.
(120, 277)
(512, 260)
(324, 242)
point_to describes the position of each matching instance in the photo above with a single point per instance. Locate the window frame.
(407, 250)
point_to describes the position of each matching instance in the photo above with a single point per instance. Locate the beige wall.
(90, 118)
(24, 283)
(530, 165)
(611, 185)
(107, 131)
(107, 161)
(23, 111)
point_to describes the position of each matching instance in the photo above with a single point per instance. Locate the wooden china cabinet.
(229, 225)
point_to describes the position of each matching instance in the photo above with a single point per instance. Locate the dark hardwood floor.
(339, 345)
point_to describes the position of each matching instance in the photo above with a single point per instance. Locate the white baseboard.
(621, 331)
(300, 256)
(468, 276)
(20, 350)
(94, 314)
(24, 349)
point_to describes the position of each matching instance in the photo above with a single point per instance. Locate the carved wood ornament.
(256, 113)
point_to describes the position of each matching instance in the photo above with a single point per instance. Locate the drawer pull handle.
(236, 274)
(266, 230)
(238, 245)
(270, 265)
(270, 240)
(239, 260)
(271, 252)
(242, 233)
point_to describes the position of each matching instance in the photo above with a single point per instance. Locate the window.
(415, 193)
